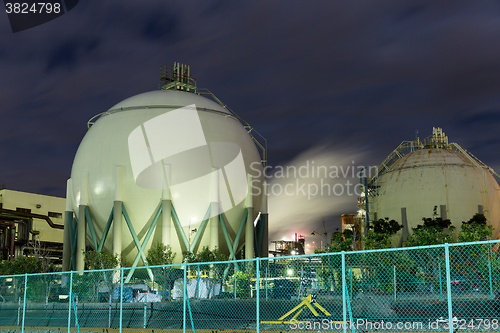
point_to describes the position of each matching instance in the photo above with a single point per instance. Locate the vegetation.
(432, 232)
(205, 255)
(476, 229)
(242, 281)
(102, 260)
(380, 232)
(21, 265)
(160, 254)
(340, 241)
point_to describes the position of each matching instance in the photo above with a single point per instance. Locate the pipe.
(35, 216)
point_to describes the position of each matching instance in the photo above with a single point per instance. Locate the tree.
(102, 260)
(160, 254)
(471, 259)
(188, 257)
(341, 241)
(21, 265)
(432, 232)
(332, 264)
(380, 232)
(476, 229)
(205, 255)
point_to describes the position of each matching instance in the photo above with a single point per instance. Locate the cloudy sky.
(343, 79)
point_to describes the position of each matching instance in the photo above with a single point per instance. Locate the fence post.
(121, 298)
(448, 282)
(70, 298)
(145, 309)
(234, 288)
(198, 283)
(184, 289)
(24, 301)
(440, 281)
(395, 295)
(257, 296)
(344, 304)
(267, 277)
(489, 273)
(109, 306)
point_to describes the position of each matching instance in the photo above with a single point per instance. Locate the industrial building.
(422, 178)
(170, 166)
(31, 222)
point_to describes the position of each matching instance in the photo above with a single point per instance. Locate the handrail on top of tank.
(474, 159)
(205, 91)
(406, 147)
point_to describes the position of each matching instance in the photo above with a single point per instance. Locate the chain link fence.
(442, 288)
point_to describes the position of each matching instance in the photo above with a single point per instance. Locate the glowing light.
(289, 272)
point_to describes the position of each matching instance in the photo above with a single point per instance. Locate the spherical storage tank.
(170, 146)
(419, 176)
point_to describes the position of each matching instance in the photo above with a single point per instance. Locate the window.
(56, 215)
(23, 210)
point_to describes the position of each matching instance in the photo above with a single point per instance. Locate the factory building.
(30, 222)
(175, 166)
(430, 178)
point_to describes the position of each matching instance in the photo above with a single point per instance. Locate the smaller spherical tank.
(146, 136)
(436, 177)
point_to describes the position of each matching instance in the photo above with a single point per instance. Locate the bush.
(242, 284)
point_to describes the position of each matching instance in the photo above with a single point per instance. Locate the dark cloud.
(360, 74)
(160, 26)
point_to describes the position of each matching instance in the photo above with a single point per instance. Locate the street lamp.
(314, 233)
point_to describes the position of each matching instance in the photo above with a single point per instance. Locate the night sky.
(336, 82)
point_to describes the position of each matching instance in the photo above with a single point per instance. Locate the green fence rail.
(441, 288)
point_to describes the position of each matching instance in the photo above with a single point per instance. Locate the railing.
(393, 290)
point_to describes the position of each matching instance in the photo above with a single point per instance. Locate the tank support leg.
(73, 232)
(166, 221)
(136, 239)
(166, 203)
(80, 247)
(105, 232)
(117, 228)
(91, 227)
(180, 230)
(82, 224)
(238, 235)
(68, 220)
(249, 232)
(200, 231)
(140, 251)
(215, 209)
(214, 225)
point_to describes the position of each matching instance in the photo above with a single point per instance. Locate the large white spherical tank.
(426, 178)
(107, 146)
